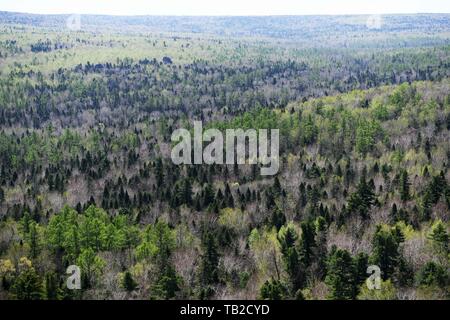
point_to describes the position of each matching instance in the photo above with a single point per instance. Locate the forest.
(86, 178)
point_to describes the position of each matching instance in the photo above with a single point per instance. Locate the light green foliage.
(439, 237)
(92, 227)
(266, 250)
(386, 292)
(157, 239)
(287, 237)
(367, 134)
(233, 218)
(91, 266)
(71, 232)
(28, 285)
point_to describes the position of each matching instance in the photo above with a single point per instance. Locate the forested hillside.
(86, 177)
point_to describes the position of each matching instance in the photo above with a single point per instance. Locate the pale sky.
(226, 7)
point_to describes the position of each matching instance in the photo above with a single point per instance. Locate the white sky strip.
(225, 7)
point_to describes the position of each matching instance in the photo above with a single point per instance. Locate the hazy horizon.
(231, 8)
(228, 15)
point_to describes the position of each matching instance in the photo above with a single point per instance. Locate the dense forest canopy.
(86, 178)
